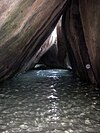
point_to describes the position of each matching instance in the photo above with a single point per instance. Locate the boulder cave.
(26, 36)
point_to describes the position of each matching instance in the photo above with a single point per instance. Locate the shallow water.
(49, 101)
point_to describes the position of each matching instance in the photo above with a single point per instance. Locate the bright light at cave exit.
(53, 37)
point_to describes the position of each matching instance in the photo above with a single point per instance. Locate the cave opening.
(54, 85)
(54, 49)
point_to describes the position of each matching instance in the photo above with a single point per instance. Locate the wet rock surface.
(49, 101)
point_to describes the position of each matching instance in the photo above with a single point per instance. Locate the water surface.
(49, 101)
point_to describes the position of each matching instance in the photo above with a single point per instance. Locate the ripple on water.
(49, 101)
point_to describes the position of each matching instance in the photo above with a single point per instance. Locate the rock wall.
(24, 26)
(81, 24)
(90, 18)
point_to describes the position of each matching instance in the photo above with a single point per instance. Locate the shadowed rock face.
(81, 24)
(90, 17)
(24, 25)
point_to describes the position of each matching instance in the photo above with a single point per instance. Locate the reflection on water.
(49, 101)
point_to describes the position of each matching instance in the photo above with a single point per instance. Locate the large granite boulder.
(90, 18)
(81, 25)
(24, 26)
